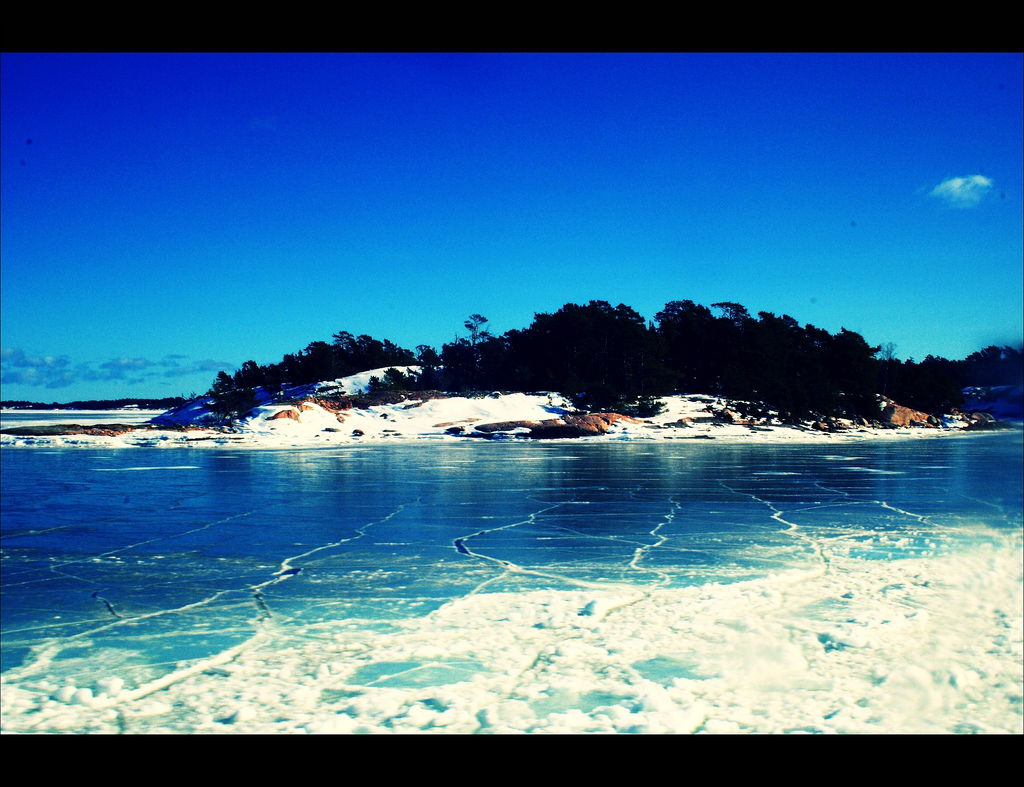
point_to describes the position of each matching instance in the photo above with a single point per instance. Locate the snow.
(358, 383)
(307, 423)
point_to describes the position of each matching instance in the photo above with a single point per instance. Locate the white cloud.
(117, 368)
(963, 192)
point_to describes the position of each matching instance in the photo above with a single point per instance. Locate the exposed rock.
(599, 421)
(505, 426)
(289, 413)
(569, 425)
(897, 415)
(306, 406)
(981, 420)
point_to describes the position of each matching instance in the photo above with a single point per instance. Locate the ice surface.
(14, 417)
(503, 587)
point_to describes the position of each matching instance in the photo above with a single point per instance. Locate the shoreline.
(345, 411)
(309, 418)
(198, 437)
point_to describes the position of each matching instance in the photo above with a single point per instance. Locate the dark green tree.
(229, 401)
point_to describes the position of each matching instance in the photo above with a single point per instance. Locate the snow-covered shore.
(317, 415)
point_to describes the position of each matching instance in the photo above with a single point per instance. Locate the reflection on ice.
(160, 467)
(494, 587)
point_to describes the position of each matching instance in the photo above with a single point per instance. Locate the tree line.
(610, 357)
(164, 403)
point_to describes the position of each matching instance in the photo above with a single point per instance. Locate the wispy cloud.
(118, 368)
(965, 192)
(49, 371)
(57, 371)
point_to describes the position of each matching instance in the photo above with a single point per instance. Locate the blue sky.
(165, 216)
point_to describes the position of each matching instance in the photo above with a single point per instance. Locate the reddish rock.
(333, 406)
(898, 415)
(569, 425)
(293, 414)
(599, 421)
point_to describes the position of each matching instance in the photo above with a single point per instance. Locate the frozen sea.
(491, 587)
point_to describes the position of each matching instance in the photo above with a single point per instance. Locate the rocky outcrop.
(598, 422)
(507, 426)
(897, 415)
(289, 413)
(568, 425)
(980, 420)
